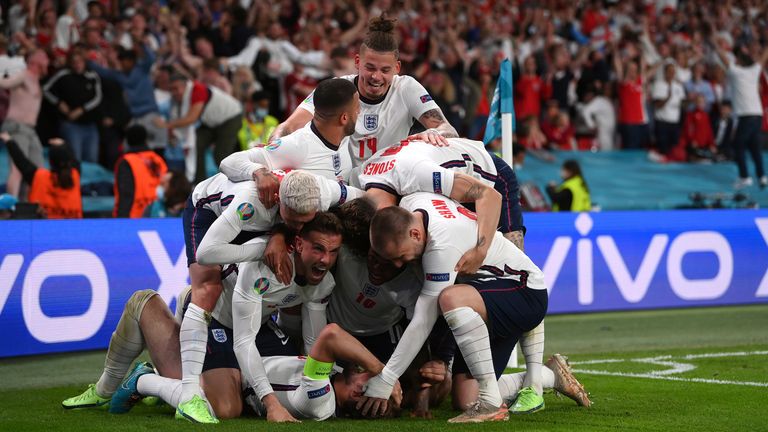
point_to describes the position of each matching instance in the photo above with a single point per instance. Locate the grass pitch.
(693, 369)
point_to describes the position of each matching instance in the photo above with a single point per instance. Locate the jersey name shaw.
(442, 209)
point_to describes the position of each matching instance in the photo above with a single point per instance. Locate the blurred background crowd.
(682, 80)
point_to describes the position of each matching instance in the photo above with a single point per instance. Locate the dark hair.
(575, 169)
(332, 96)
(323, 222)
(136, 136)
(62, 164)
(212, 64)
(259, 95)
(381, 36)
(356, 218)
(178, 190)
(742, 55)
(175, 76)
(389, 224)
(126, 54)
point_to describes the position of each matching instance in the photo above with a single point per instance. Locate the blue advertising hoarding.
(63, 284)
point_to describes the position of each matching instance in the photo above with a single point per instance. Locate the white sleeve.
(239, 166)
(427, 176)
(313, 320)
(246, 322)
(308, 58)
(658, 91)
(248, 55)
(417, 98)
(587, 111)
(439, 270)
(309, 103)
(335, 193)
(215, 248)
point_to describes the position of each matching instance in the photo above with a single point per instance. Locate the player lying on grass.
(373, 300)
(219, 218)
(510, 295)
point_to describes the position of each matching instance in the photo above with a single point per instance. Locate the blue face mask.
(160, 192)
(261, 113)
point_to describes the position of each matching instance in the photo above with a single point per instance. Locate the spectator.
(76, 92)
(723, 129)
(24, 107)
(557, 128)
(697, 142)
(115, 115)
(744, 79)
(57, 190)
(219, 115)
(213, 76)
(633, 121)
(137, 175)
(698, 85)
(258, 123)
(599, 117)
(134, 76)
(573, 193)
(668, 96)
(172, 194)
(529, 90)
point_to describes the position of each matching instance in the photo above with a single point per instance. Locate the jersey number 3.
(367, 142)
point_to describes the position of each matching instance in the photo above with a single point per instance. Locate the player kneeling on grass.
(147, 323)
(510, 296)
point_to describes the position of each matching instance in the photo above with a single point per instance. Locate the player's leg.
(206, 288)
(465, 312)
(126, 343)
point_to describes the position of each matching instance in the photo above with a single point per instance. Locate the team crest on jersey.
(273, 145)
(336, 163)
(219, 335)
(370, 290)
(426, 98)
(289, 298)
(261, 285)
(371, 121)
(245, 211)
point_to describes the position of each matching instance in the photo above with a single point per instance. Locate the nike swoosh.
(284, 341)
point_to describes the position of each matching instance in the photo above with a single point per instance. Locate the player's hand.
(277, 259)
(471, 261)
(56, 141)
(278, 414)
(372, 407)
(433, 372)
(160, 122)
(268, 186)
(431, 136)
(397, 394)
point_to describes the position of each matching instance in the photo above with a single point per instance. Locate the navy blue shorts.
(196, 222)
(383, 345)
(511, 218)
(512, 309)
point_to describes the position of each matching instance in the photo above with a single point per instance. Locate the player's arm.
(422, 107)
(192, 115)
(488, 204)
(313, 320)
(243, 165)
(435, 120)
(334, 193)
(298, 119)
(246, 323)
(215, 248)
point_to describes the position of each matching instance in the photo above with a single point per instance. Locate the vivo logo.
(633, 288)
(81, 262)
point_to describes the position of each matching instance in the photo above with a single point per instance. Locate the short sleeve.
(199, 94)
(308, 103)
(417, 98)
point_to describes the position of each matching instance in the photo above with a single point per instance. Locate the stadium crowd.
(683, 79)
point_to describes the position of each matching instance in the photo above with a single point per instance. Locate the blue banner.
(63, 284)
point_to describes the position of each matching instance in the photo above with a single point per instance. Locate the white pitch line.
(599, 361)
(671, 378)
(732, 354)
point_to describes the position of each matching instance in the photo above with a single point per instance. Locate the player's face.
(352, 113)
(293, 219)
(318, 254)
(402, 252)
(177, 90)
(376, 70)
(352, 387)
(381, 271)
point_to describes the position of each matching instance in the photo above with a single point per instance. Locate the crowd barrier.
(63, 283)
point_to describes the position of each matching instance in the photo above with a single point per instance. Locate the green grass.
(32, 388)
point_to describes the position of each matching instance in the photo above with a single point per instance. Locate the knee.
(135, 304)
(228, 408)
(330, 331)
(448, 298)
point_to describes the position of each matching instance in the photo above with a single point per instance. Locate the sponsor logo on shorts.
(274, 145)
(370, 290)
(261, 285)
(245, 211)
(438, 277)
(289, 298)
(426, 98)
(219, 335)
(371, 121)
(314, 394)
(437, 183)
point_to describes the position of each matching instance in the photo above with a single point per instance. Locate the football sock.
(471, 336)
(193, 338)
(532, 345)
(125, 345)
(510, 384)
(166, 389)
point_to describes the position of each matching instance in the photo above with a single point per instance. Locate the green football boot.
(195, 410)
(88, 399)
(527, 402)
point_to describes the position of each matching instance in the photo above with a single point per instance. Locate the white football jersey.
(386, 122)
(364, 309)
(451, 231)
(303, 397)
(303, 149)
(417, 166)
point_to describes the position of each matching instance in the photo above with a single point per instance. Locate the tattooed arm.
(438, 128)
(516, 237)
(488, 205)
